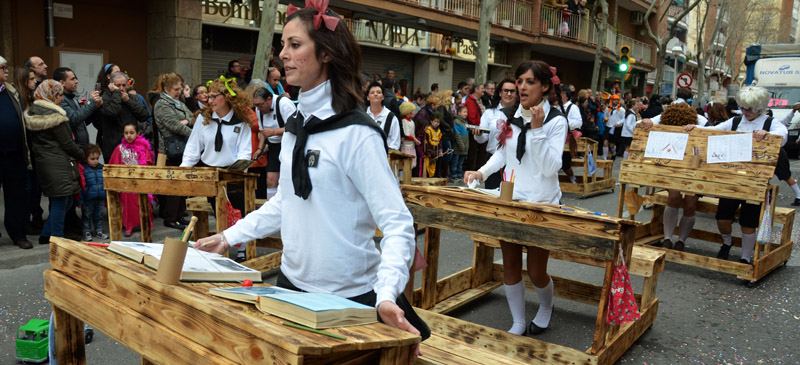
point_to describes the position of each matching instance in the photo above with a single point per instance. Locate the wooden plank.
(502, 343)
(468, 352)
(143, 360)
(600, 326)
(164, 187)
(198, 204)
(708, 204)
(201, 227)
(114, 215)
(457, 301)
(271, 242)
(482, 259)
(172, 173)
(396, 355)
(695, 174)
(627, 335)
(543, 215)
(70, 347)
(144, 218)
(232, 329)
(265, 263)
(430, 272)
(727, 190)
(453, 284)
(429, 181)
(136, 331)
(771, 261)
(525, 234)
(432, 355)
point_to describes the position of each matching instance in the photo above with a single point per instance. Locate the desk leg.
(222, 211)
(146, 362)
(249, 206)
(114, 215)
(201, 227)
(70, 348)
(407, 171)
(430, 273)
(396, 355)
(482, 264)
(144, 218)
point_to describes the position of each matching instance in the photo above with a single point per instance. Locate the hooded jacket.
(53, 149)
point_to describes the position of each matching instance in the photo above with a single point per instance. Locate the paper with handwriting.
(666, 145)
(730, 148)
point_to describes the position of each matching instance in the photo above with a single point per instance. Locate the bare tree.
(600, 26)
(706, 54)
(662, 43)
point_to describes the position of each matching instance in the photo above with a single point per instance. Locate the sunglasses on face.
(509, 91)
(747, 110)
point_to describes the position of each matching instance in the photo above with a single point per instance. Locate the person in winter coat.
(78, 110)
(119, 108)
(93, 195)
(55, 153)
(174, 122)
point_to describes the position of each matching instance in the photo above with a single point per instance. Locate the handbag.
(174, 146)
(622, 306)
(765, 227)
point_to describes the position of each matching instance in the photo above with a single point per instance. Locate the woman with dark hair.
(504, 103)
(716, 114)
(340, 180)
(530, 144)
(199, 98)
(653, 108)
(25, 80)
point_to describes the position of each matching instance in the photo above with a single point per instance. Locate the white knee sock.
(687, 223)
(545, 294)
(625, 155)
(796, 190)
(605, 152)
(515, 295)
(727, 240)
(670, 221)
(271, 192)
(748, 244)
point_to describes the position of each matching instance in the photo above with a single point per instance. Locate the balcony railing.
(639, 50)
(516, 14)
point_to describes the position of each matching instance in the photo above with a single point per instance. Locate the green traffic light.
(623, 67)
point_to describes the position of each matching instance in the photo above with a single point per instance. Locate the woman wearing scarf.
(55, 154)
(174, 121)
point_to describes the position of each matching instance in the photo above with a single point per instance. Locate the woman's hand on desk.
(392, 315)
(472, 175)
(216, 244)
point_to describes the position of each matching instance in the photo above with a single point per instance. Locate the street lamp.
(677, 52)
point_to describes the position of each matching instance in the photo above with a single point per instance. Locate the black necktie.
(521, 138)
(300, 177)
(218, 138)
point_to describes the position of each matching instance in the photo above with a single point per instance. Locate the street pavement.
(704, 317)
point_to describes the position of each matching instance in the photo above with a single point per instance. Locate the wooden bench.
(597, 243)
(747, 181)
(588, 184)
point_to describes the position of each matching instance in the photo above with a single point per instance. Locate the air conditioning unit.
(637, 18)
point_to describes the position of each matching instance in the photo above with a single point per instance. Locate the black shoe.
(744, 261)
(44, 240)
(666, 243)
(534, 330)
(24, 244)
(796, 202)
(183, 221)
(678, 246)
(174, 225)
(724, 251)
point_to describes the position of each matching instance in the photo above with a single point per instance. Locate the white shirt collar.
(678, 101)
(226, 118)
(384, 111)
(316, 102)
(545, 107)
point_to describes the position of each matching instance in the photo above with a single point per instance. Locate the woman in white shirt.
(334, 186)
(632, 108)
(505, 100)
(531, 144)
(221, 133)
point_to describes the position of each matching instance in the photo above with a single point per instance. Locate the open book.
(241, 165)
(478, 191)
(317, 310)
(198, 266)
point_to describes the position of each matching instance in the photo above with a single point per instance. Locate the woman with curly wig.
(717, 114)
(221, 133)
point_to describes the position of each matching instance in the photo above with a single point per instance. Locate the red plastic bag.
(234, 215)
(622, 306)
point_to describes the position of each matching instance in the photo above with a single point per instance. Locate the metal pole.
(675, 77)
(268, 15)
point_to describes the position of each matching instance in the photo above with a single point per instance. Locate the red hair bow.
(505, 132)
(555, 80)
(322, 7)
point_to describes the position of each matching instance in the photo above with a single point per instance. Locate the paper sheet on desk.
(730, 148)
(666, 145)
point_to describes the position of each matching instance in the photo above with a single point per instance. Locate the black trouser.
(173, 206)
(369, 299)
(476, 155)
(12, 178)
(261, 181)
(34, 190)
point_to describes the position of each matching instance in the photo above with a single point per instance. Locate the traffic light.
(624, 58)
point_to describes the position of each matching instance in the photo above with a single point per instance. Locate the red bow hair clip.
(322, 7)
(555, 80)
(505, 132)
